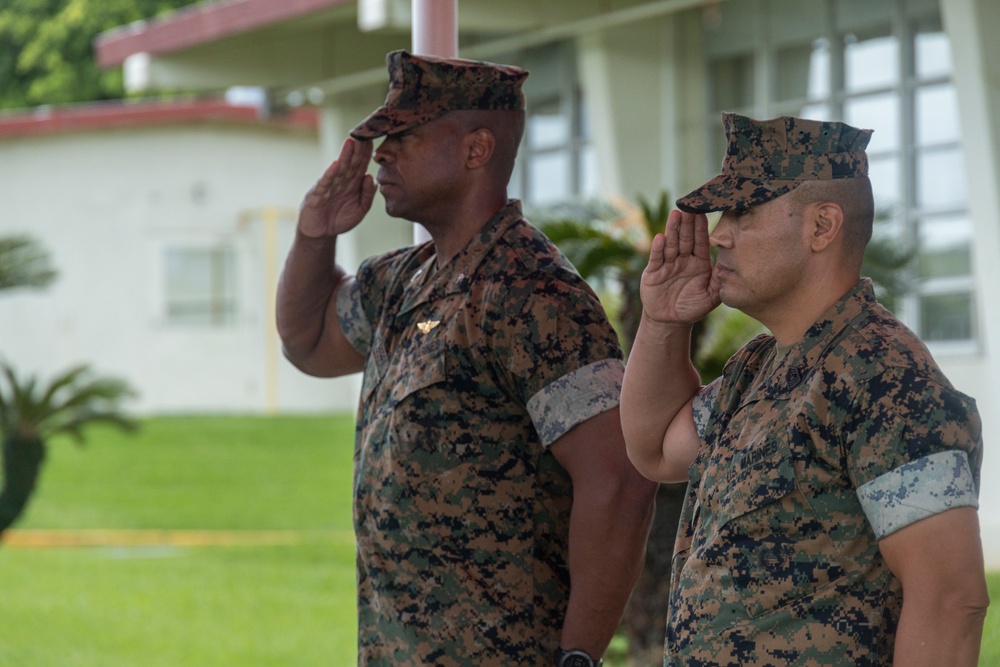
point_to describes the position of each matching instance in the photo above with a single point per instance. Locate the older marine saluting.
(833, 470)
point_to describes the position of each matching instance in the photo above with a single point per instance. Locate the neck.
(452, 233)
(790, 322)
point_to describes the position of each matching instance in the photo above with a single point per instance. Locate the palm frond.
(889, 263)
(96, 391)
(889, 260)
(561, 230)
(23, 392)
(592, 245)
(73, 426)
(655, 215)
(24, 262)
(70, 401)
(599, 256)
(65, 380)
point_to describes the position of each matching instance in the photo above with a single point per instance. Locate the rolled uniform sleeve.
(917, 452)
(575, 398)
(562, 358)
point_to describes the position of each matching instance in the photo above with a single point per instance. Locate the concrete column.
(646, 97)
(623, 71)
(971, 26)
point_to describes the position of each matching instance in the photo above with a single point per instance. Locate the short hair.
(507, 127)
(855, 198)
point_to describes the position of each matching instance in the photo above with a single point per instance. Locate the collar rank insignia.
(428, 326)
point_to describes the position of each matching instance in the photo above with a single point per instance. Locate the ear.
(826, 221)
(481, 144)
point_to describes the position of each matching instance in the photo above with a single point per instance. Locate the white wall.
(622, 71)
(106, 204)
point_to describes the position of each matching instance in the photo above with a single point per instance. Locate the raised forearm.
(659, 381)
(306, 304)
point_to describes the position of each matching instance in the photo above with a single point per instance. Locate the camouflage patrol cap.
(421, 88)
(767, 158)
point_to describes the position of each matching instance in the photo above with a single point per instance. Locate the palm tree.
(32, 412)
(611, 242)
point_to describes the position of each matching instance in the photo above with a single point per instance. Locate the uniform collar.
(803, 356)
(430, 283)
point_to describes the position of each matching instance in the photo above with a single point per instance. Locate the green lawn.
(288, 605)
(163, 606)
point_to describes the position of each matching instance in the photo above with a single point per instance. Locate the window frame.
(216, 307)
(905, 22)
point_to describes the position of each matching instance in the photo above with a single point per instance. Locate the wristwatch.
(576, 658)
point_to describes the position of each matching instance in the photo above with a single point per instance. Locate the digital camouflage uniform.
(461, 513)
(810, 454)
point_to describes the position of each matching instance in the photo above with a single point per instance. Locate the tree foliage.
(46, 50)
(74, 399)
(611, 242)
(24, 262)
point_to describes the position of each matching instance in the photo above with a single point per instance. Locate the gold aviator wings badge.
(427, 326)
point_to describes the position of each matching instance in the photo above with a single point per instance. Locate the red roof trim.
(199, 24)
(91, 117)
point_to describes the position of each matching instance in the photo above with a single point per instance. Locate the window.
(885, 66)
(200, 285)
(556, 161)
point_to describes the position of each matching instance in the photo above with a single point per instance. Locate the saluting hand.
(342, 195)
(678, 285)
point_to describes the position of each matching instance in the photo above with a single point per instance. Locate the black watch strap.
(575, 658)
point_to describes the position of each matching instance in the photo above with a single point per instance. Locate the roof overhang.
(121, 115)
(332, 46)
(204, 23)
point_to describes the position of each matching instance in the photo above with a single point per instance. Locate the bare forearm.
(305, 299)
(659, 380)
(607, 549)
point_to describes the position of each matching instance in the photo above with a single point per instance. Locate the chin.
(732, 300)
(392, 210)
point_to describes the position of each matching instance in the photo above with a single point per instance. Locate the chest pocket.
(413, 372)
(418, 372)
(769, 539)
(428, 428)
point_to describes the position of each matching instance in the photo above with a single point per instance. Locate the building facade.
(166, 223)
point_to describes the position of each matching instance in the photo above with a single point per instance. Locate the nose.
(384, 151)
(721, 236)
